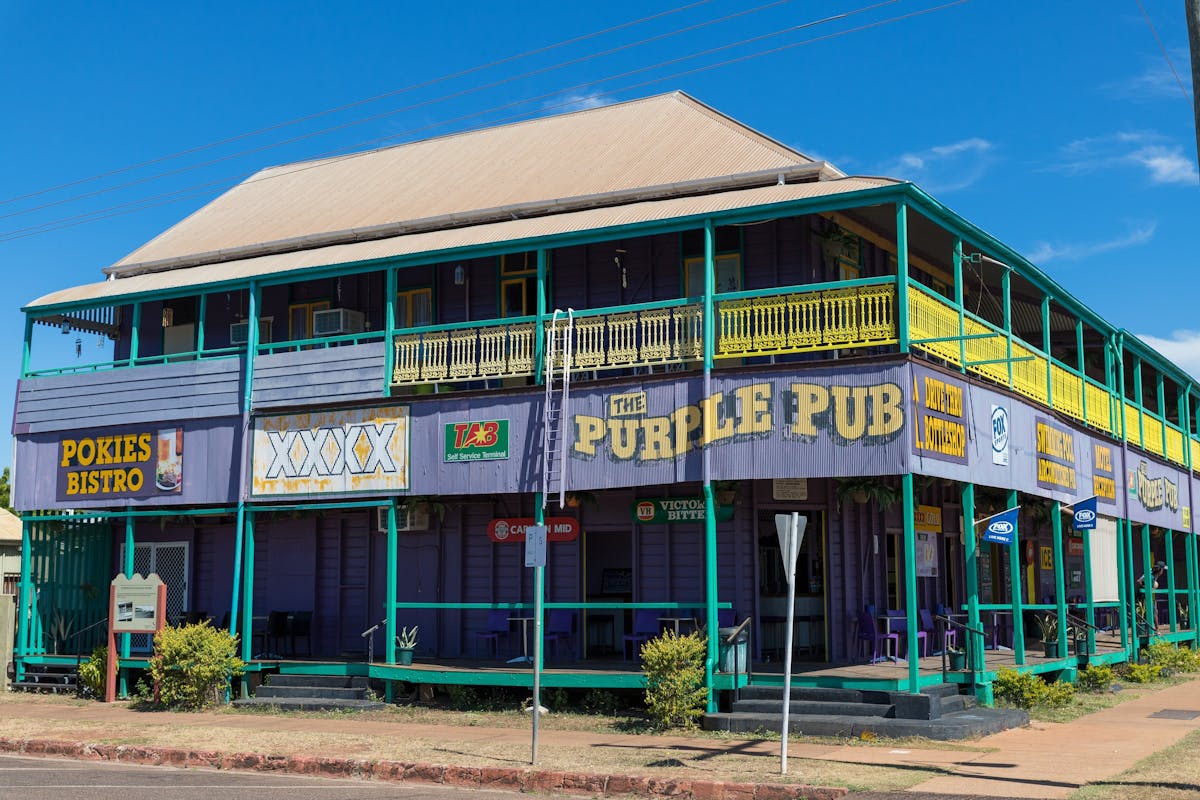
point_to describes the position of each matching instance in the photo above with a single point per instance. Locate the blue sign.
(1085, 515)
(1002, 528)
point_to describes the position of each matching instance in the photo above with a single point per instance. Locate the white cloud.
(1161, 161)
(1183, 348)
(944, 168)
(1157, 81)
(1045, 252)
(577, 101)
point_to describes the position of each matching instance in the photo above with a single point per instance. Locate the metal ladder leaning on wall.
(554, 411)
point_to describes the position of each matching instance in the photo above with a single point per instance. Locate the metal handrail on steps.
(944, 620)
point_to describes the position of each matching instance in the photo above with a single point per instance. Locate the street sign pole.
(790, 528)
(535, 556)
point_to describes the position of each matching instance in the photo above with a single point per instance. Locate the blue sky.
(1057, 127)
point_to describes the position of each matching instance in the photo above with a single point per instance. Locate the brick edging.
(503, 778)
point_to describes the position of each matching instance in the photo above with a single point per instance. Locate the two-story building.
(338, 394)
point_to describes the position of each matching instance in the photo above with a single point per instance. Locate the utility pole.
(1192, 11)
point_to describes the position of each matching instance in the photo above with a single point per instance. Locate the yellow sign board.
(928, 519)
(1047, 558)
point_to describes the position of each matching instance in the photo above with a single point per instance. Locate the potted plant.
(1181, 609)
(579, 498)
(958, 658)
(406, 642)
(867, 490)
(1048, 625)
(724, 492)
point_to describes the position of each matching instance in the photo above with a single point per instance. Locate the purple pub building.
(337, 395)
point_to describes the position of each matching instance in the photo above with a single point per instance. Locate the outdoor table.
(524, 657)
(886, 619)
(676, 620)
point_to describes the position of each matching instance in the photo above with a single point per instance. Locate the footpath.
(1044, 760)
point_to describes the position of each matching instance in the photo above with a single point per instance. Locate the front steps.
(938, 712)
(53, 678)
(312, 693)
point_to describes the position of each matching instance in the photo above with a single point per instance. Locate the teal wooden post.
(1170, 576)
(910, 581)
(1089, 592)
(1137, 397)
(134, 333)
(902, 275)
(251, 351)
(1193, 581)
(970, 555)
(200, 314)
(1006, 289)
(1060, 583)
(389, 334)
(1148, 581)
(1014, 573)
(1122, 586)
(1162, 409)
(1109, 382)
(958, 302)
(235, 600)
(539, 330)
(126, 639)
(1132, 585)
(710, 511)
(248, 594)
(1046, 348)
(24, 617)
(1082, 368)
(27, 349)
(389, 606)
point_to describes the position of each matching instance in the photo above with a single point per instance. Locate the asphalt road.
(62, 779)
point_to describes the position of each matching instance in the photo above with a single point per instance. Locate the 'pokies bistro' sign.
(486, 440)
(558, 529)
(675, 509)
(131, 462)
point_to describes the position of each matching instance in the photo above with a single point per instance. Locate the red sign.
(1075, 547)
(558, 529)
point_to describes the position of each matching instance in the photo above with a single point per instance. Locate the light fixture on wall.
(168, 317)
(66, 327)
(620, 267)
(460, 276)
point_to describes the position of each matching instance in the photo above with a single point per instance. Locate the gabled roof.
(658, 141)
(10, 527)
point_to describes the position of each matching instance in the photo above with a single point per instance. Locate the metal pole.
(539, 588)
(1060, 585)
(1006, 288)
(248, 592)
(27, 349)
(1014, 578)
(970, 556)
(958, 301)
(902, 274)
(910, 581)
(539, 330)
(787, 653)
(710, 511)
(200, 314)
(389, 332)
(134, 333)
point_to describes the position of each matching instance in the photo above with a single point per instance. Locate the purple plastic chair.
(560, 629)
(868, 637)
(497, 627)
(899, 624)
(645, 628)
(949, 635)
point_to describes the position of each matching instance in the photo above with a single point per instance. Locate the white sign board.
(790, 540)
(535, 546)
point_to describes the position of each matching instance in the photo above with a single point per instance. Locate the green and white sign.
(476, 441)
(675, 509)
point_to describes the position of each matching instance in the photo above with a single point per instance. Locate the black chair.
(195, 617)
(301, 628)
(276, 632)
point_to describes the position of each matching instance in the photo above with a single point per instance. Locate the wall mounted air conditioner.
(333, 321)
(408, 518)
(239, 332)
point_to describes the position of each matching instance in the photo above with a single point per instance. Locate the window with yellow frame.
(414, 308)
(518, 284)
(300, 319)
(727, 274)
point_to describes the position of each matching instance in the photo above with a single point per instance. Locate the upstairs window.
(414, 308)
(518, 284)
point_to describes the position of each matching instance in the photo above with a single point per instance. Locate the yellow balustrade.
(1099, 407)
(1132, 430)
(1195, 444)
(800, 322)
(1175, 445)
(1152, 432)
(1029, 373)
(489, 351)
(1067, 390)
(930, 318)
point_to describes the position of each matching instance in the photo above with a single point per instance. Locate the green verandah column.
(23, 615)
(1148, 581)
(902, 325)
(1060, 583)
(910, 581)
(1170, 560)
(126, 639)
(1193, 607)
(248, 593)
(389, 607)
(970, 556)
(1122, 587)
(389, 332)
(710, 511)
(1089, 591)
(1014, 579)
(1131, 589)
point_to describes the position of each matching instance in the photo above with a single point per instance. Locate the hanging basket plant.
(867, 490)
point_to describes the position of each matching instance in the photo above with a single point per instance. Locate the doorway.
(607, 577)
(170, 561)
(809, 632)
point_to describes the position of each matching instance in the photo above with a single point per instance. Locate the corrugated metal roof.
(439, 240)
(656, 141)
(10, 527)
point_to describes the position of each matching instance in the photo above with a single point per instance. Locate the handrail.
(79, 655)
(958, 624)
(1081, 621)
(600, 606)
(367, 634)
(943, 620)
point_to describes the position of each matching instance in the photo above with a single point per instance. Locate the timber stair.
(312, 693)
(47, 678)
(937, 712)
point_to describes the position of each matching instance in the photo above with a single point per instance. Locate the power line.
(174, 196)
(393, 112)
(355, 103)
(1163, 49)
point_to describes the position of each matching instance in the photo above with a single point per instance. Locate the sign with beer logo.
(486, 440)
(675, 509)
(130, 462)
(1002, 528)
(558, 529)
(326, 452)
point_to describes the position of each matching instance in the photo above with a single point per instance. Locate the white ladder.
(554, 411)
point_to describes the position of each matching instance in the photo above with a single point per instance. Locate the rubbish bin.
(733, 657)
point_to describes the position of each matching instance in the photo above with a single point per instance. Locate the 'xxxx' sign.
(358, 450)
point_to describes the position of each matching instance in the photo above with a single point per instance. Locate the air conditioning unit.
(408, 518)
(333, 321)
(239, 332)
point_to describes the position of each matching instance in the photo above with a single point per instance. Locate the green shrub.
(1143, 673)
(1021, 689)
(192, 664)
(1171, 658)
(1058, 694)
(1096, 678)
(556, 699)
(600, 701)
(93, 673)
(674, 667)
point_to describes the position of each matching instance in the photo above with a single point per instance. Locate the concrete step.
(941, 690)
(314, 692)
(815, 707)
(815, 693)
(322, 681)
(308, 704)
(958, 725)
